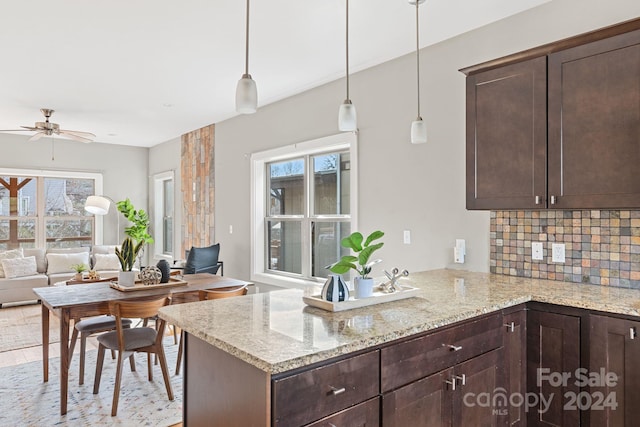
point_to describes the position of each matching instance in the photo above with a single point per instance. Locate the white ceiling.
(141, 72)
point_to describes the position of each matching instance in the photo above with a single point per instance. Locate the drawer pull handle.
(632, 333)
(510, 326)
(537, 201)
(337, 391)
(462, 378)
(554, 200)
(453, 347)
(452, 383)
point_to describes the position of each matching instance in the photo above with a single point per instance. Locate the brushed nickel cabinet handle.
(537, 200)
(462, 378)
(452, 347)
(337, 391)
(452, 383)
(632, 333)
(510, 326)
(554, 200)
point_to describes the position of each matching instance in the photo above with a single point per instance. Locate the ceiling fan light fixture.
(418, 126)
(246, 90)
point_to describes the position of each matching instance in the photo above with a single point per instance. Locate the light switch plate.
(537, 251)
(557, 252)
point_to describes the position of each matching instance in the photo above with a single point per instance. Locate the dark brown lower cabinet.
(553, 357)
(515, 365)
(452, 397)
(366, 414)
(614, 366)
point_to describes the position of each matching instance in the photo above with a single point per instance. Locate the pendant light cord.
(418, 53)
(347, 43)
(246, 58)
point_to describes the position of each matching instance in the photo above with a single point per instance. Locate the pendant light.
(347, 120)
(246, 91)
(418, 126)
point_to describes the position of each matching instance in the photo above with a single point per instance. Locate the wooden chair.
(208, 294)
(129, 341)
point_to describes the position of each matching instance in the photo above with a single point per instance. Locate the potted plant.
(363, 283)
(139, 230)
(127, 257)
(79, 269)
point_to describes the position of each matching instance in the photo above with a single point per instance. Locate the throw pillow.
(14, 253)
(106, 262)
(20, 267)
(61, 263)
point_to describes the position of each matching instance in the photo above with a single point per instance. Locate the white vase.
(126, 278)
(363, 287)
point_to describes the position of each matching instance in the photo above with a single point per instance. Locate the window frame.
(345, 142)
(159, 180)
(40, 217)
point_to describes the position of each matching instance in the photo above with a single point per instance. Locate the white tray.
(378, 297)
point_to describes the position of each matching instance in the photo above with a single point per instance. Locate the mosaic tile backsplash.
(601, 247)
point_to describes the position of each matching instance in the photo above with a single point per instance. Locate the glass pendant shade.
(97, 205)
(347, 119)
(246, 95)
(418, 131)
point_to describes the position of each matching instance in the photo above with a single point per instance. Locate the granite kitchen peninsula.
(268, 359)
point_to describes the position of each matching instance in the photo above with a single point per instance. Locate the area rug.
(21, 327)
(27, 401)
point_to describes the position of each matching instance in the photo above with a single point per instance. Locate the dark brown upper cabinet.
(557, 126)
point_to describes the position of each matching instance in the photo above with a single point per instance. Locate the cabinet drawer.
(311, 395)
(411, 360)
(366, 414)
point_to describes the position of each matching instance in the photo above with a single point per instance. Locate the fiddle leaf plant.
(139, 231)
(359, 263)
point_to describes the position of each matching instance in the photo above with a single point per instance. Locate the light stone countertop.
(277, 331)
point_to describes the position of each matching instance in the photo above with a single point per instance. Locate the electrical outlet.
(537, 251)
(407, 237)
(557, 252)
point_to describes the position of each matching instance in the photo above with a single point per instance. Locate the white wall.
(124, 169)
(163, 158)
(420, 188)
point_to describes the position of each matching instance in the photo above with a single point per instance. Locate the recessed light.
(167, 105)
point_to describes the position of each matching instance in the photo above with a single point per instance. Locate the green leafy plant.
(79, 268)
(139, 231)
(127, 254)
(359, 263)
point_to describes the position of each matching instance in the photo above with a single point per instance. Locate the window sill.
(284, 281)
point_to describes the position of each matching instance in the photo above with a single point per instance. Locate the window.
(163, 214)
(304, 203)
(46, 209)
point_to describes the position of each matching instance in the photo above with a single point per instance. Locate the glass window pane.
(24, 232)
(167, 235)
(66, 196)
(168, 197)
(286, 185)
(331, 181)
(326, 245)
(285, 246)
(18, 196)
(69, 233)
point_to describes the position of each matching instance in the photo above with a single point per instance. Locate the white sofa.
(20, 289)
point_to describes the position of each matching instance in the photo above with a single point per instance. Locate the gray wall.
(402, 186)
(124, 169)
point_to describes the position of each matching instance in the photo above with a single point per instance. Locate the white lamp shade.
(418, 131)
(246, 95)
(97, 205)
(347, 119)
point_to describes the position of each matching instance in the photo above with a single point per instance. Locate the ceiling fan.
(48, 128)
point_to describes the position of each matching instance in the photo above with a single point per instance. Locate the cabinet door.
(553, 348)
(615, 347)
(479, 379)
(515, 355)
(423, 403)
(594, 124)
(507, 137)
(366, 414)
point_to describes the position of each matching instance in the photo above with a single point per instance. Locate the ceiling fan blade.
(15, 130)
(30, 128)
(67, 135)
(37, 136)
(78, 133)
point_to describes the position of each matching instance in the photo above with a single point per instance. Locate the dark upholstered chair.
(203, 260)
